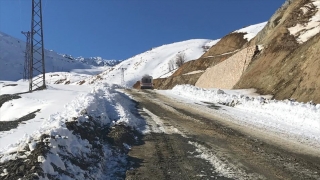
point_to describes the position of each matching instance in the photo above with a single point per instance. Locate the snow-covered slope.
(155, 62)
(12, 60)
(251, 31)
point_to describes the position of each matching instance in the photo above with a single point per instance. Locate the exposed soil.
(9, 85)
(248, 154)
(170, 82)
(27, 166)
(164, 156)
(225, 48)
(8, 97)
(8, 125)
(228, 43)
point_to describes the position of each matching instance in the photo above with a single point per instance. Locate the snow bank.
(288, 116)
(104, 102)
(54, 123)
(102, 107)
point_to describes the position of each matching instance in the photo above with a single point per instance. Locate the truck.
(146, 82)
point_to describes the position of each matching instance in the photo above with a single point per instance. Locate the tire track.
(241, 155)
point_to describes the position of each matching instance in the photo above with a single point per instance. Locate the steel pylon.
(27, 56)
(37, 66)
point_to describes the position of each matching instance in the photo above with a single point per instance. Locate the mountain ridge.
(12, 57)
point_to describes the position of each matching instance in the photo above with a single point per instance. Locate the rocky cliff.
(289, 64)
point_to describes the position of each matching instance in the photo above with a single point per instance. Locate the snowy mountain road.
(185, 142)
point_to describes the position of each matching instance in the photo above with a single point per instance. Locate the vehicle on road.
(146, 82)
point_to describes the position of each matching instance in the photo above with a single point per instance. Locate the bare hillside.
(190, 72)
(287, 67)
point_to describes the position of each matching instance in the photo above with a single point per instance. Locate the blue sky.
(120, 29)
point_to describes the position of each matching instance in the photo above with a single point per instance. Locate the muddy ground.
(180, 134)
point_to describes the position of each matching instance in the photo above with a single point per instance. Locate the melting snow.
(300, 121)
(303, 32)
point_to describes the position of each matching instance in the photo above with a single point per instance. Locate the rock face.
(227, 45)
(227, 73)
(190, 72)
(287, 67)
(219, 52)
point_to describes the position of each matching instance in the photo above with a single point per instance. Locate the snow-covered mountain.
(12, 53)
(94, 61)
(155, 62)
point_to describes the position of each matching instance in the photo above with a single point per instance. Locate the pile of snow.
(288, 116)
(155, 62)
(303, 32)
(60, 105)
(251, 31)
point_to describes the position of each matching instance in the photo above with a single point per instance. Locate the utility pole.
(122, 75)
(37, 67)
(27, 56)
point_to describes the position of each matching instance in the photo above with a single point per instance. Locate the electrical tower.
(37, 68)
(27, 55)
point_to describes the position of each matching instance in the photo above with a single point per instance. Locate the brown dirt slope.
(229, 43)
(285, 68)
(170, 82)
(219, 52)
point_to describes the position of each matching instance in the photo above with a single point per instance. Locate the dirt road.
(186, 143)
